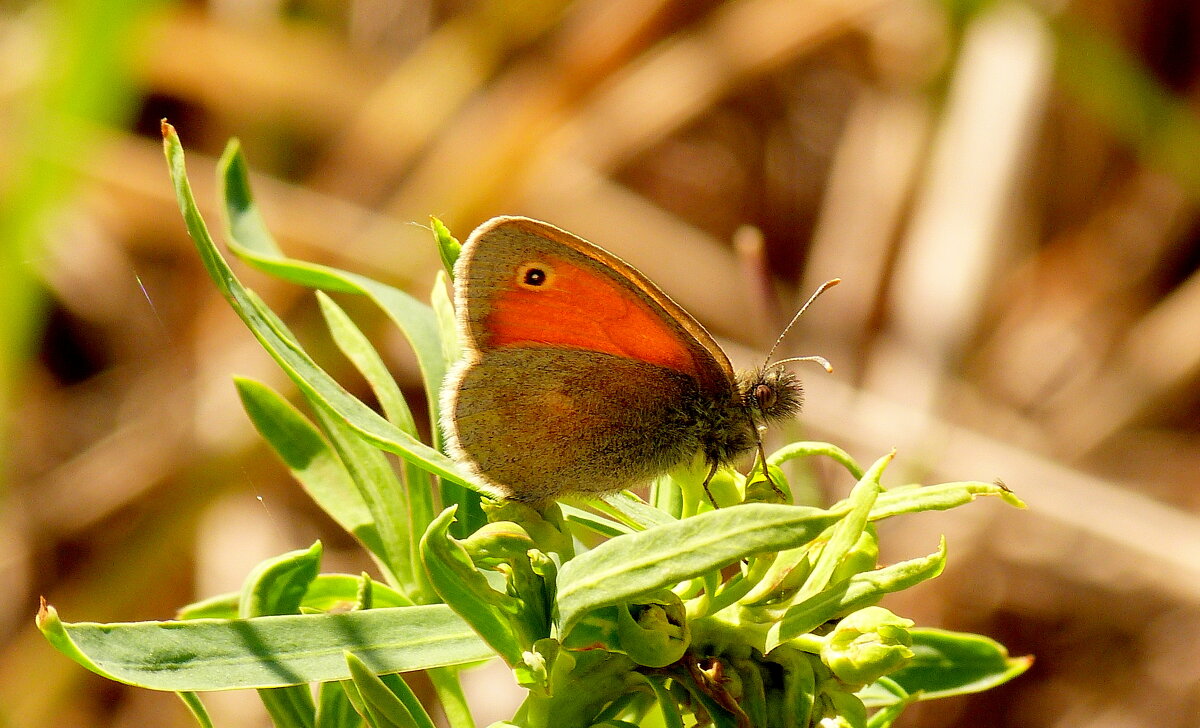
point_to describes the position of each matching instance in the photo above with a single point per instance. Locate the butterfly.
(579, 375)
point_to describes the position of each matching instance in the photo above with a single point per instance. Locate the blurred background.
(1007, 188)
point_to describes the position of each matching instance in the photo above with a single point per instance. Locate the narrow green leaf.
(667, 703)
(334, 709)
(450, 694)
(311, 461)
(287, 352)
(793, 705)
(447, 322)
(352, 342)
(221, 606)
(720, 717)
(948, 663)
(666, 496)
(356, 701)
(916, 498)
(847, 531)
(277, 585)
(289, 707)
(252, 242)
(388, 708)
(399, 688)
(448, 246)
(860, 590)
(327, 592)
(633, 510)
(887, 716)
(212, 654)
(385, 497)
(593, 521)
(659, 557)
(461, 586)
(808, 449)
(196, 708)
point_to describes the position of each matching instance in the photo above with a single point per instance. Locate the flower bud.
(866, 645)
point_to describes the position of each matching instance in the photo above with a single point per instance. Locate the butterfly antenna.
(824, 287)
(818, 359)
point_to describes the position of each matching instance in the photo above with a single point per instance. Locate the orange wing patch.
(577, 309)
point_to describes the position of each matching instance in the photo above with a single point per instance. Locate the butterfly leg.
(762, 458)
(711, 472)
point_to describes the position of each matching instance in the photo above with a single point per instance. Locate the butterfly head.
(770, 394)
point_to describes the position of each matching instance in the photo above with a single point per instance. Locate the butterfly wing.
(580, 374)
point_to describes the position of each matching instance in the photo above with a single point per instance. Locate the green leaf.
(352, 342)
(465, 589)
(310, 459)
(336, 591)
(886, 716)
(917, 498)
(632, 510)
(847, 531)
(808, 449)
(469, 515)
(277, 585)
(289, 707)
(594, 522)
(860, 590)
(450, 695)
(793, 705)
(287, 352)
(385, 497)
(447, 322)
(252, 242)
(948, 663)
(214, 654)
(667, 703)
(418, 487)
(327, 592)
(196, 708)
(391, 703)
(334, 709)
(448, 246)
(659, 557)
